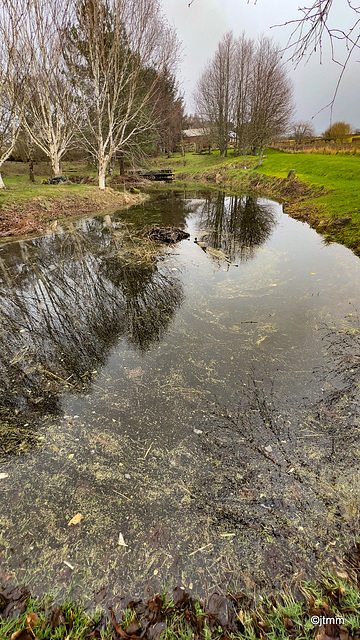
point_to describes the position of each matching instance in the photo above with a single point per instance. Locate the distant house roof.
(195, 133)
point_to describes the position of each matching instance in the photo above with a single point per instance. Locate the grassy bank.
(325, 191)
(27, 207)
(328, 609)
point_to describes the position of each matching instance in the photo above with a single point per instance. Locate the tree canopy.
(245, 93)
(338, 131)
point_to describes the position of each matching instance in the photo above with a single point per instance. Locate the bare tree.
(12, 84)
(245, 86)
(243, 72)
(214, 95)
(271, 99)
(314, 24)
(302, 131)
(125, 46)
(317, 24)
(52, 109)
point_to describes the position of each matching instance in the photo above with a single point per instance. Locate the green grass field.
(19, 188)
(338, 174)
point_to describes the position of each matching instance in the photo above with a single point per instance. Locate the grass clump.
(41, 621)
(334, 600)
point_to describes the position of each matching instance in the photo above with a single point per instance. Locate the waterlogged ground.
(193, 411)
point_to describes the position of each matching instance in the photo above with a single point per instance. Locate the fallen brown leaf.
(133, 628)
(321, 635)
(76, 519)
(288, 624)
(136, 373)
(32, 619)
(180, 596)
(118, 628)
(57, 618)
(22, 634)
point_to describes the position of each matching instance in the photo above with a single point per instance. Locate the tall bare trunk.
(261, 153)
(2, 186)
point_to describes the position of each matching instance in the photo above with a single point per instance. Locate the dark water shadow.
(66, 300)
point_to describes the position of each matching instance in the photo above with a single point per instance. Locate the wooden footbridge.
(157, 174)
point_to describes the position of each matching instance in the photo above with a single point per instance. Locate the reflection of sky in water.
(190, 418)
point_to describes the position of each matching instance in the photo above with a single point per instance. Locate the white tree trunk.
(56, 168)
(261, 153)
(102, 176)
(2, 186)
(55, 161)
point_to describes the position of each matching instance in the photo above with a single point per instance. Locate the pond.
(189, 418)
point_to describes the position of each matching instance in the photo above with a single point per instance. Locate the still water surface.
(201, 404)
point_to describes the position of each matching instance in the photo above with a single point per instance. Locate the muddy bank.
(37, 214)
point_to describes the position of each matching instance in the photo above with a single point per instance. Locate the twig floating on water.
(201, 549)
(148, 451)
(122, 495)
(58, 377)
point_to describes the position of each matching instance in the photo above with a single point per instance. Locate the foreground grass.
(180, 617)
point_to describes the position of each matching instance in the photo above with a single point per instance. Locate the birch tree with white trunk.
(12, 85)
(52, 109)
(125, 46)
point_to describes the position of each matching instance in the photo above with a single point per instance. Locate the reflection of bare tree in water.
(288, 488)
(65, 301)
(149, 302)
(236, 225)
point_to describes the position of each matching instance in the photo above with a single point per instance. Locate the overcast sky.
(201, 26)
